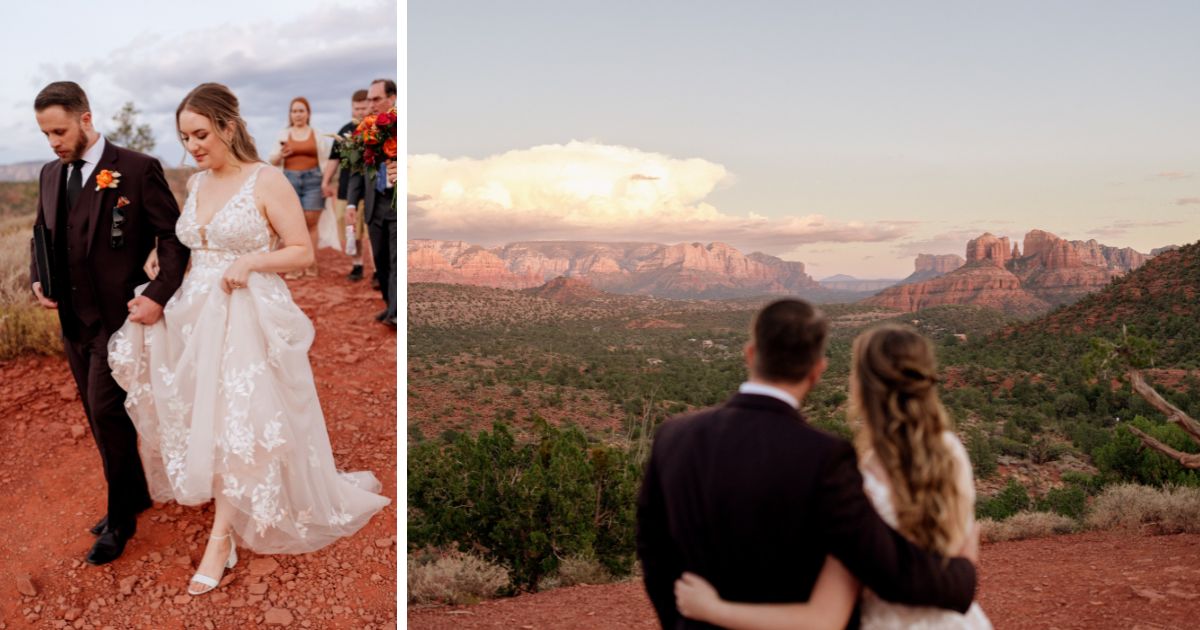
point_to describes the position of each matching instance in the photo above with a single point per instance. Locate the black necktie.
(75, 182)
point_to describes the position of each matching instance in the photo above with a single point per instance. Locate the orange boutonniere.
(122, 202)
(107, 179)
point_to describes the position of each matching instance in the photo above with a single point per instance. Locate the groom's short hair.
(65, 94)
(789, 339)
(359, 96)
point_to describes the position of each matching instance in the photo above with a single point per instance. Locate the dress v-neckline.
(235, 195)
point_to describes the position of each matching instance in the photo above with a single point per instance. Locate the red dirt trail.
(1089, 580)
(52, 490)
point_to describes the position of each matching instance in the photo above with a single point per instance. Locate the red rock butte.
(1051, 272)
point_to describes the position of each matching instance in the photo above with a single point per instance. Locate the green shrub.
(980, 451)
(1090, 484)
(1010, 447)
(1010, 500)
(527, 505)
(1070, 501)
(1125, 458)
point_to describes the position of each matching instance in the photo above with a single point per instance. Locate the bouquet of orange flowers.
(365, 148)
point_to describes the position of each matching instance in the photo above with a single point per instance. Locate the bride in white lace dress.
(915, 472)
(220, 389)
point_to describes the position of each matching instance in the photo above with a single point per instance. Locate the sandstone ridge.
(682, 270)
(995, 274)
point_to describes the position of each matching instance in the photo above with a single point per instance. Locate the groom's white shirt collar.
(90, 158)
(768, 390)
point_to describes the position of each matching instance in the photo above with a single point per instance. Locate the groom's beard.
(78, 150)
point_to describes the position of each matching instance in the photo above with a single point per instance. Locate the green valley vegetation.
(529, 419)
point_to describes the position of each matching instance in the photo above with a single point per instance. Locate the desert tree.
(1126, 357)
(128, 133)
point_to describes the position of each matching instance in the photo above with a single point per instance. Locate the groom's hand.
(143, 310)
(43, 300)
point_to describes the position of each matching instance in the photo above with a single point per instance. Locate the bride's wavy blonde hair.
(893, 395)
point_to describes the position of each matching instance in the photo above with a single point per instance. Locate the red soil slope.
(52, 490)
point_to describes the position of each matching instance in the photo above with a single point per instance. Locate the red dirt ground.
(1090, 580)
(52, 490)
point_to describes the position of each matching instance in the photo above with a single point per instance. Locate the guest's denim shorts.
(308, 188)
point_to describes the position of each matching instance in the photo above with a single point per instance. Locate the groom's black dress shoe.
(100, 526)
(110, 544)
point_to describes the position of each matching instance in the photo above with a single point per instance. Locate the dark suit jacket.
(752, 498)
(151, 213)
(363, 196)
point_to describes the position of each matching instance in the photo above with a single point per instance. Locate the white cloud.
(323, 54)
(588, 190)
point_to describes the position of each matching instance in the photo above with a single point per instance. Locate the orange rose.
(366, 123)
(389, 148)
(107, 179)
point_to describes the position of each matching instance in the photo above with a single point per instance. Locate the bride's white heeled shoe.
(210, 583)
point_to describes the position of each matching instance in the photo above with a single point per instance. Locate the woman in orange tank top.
(300, 146)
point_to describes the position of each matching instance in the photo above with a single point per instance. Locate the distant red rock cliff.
(1052, 271)
(683, 270)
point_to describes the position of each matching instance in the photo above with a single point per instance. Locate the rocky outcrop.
(981, 283)
(1052, 271)
(930, 266)
(456, 262)
(1162, 250)
(566, 291)
(683, 270)
(987, 247)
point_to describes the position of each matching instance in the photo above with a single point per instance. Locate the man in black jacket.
(752, 498)
(106, 208)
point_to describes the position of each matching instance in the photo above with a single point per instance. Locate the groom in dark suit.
(104, 207)
(752, 498)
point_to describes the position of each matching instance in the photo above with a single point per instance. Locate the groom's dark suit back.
(752, 498)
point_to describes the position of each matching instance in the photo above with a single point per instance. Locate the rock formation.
(683, 270)
(930, 266)
(456, 262)
(1052, 271)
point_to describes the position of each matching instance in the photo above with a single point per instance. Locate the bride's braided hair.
(217, 103)
(893, 387)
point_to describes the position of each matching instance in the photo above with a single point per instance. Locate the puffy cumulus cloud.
(588, 190)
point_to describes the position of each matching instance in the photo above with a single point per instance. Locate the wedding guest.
(298, 154)
(358, 109)
(376, 200)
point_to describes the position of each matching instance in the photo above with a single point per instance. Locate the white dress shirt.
(768, 390)
(90, 159)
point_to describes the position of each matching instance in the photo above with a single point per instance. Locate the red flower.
(384, 119)
(389, 148)
(369, 156)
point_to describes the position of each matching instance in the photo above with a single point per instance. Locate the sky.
(850, 136)
(154, 53)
